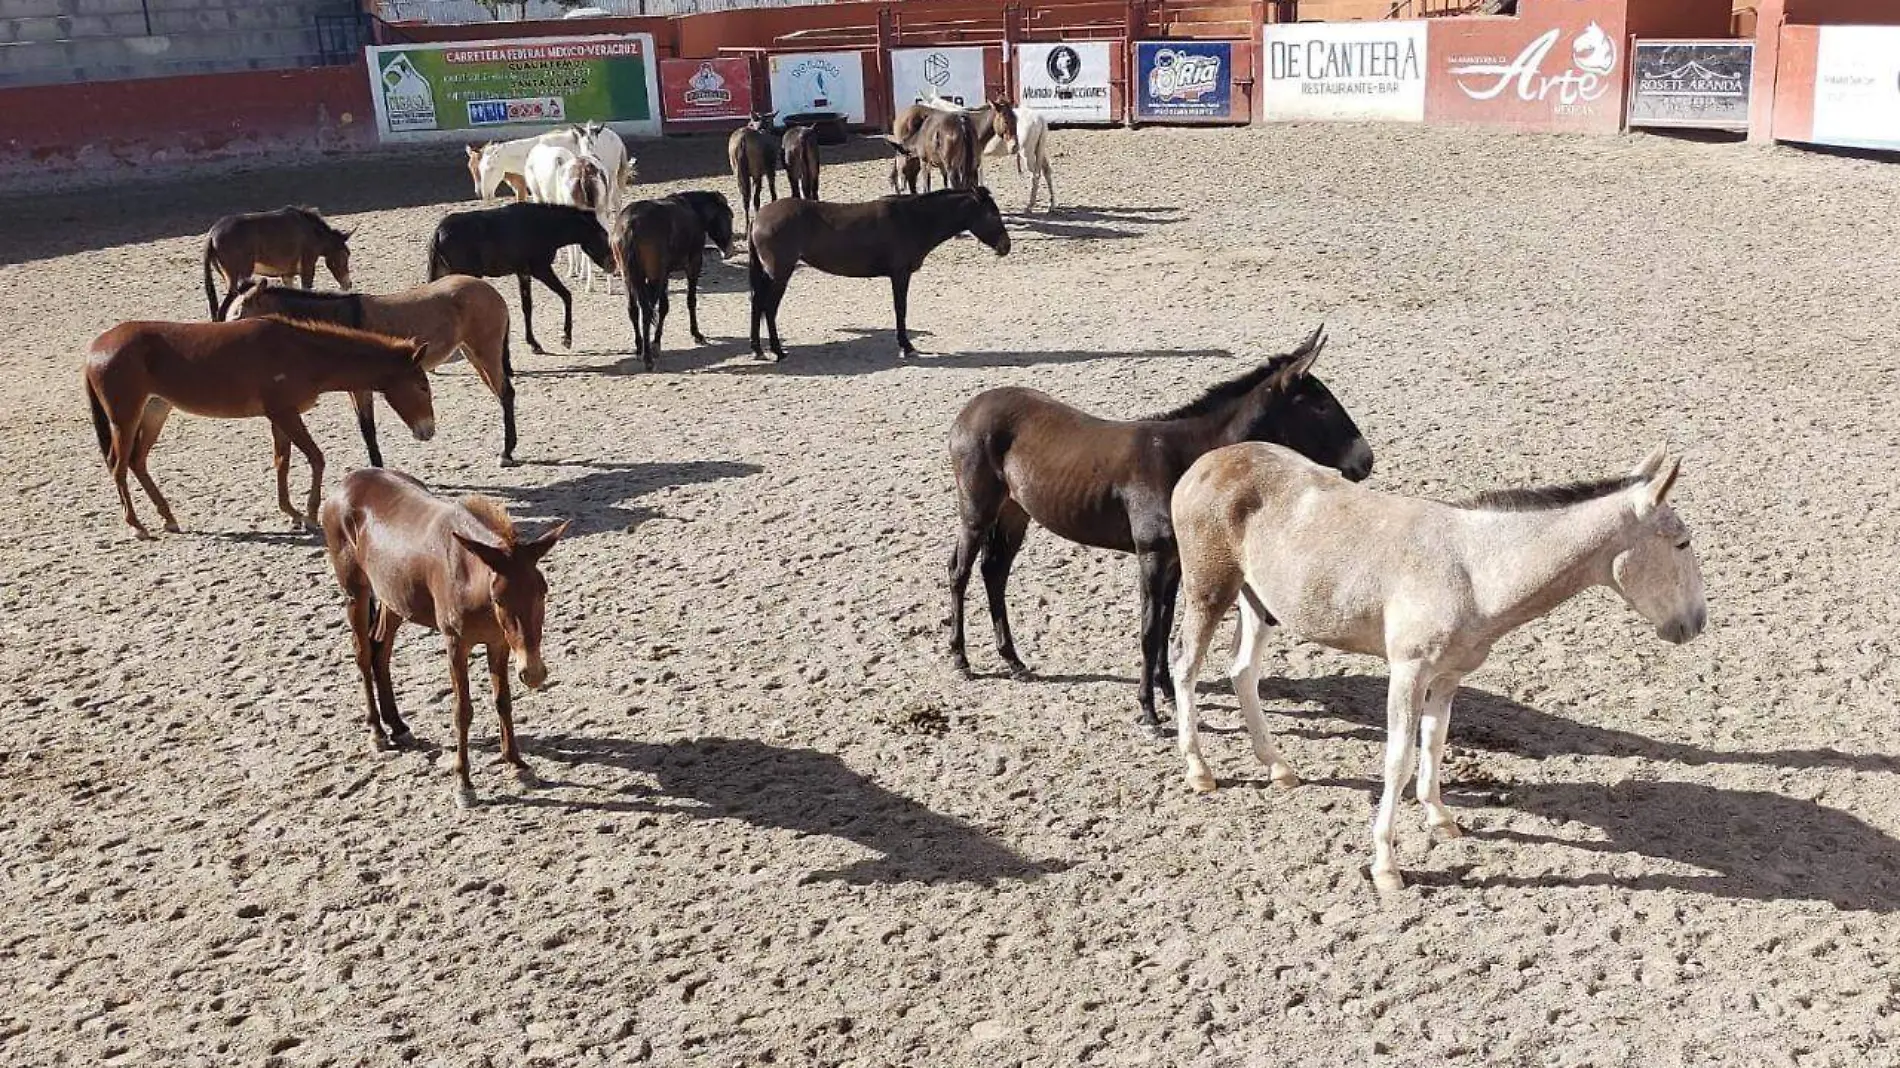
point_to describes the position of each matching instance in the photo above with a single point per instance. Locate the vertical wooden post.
(1769, 18)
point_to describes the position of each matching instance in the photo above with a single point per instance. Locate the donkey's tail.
(438, 264)
(211, 290)
(100, 424)
(507, 362)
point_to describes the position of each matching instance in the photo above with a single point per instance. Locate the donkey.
(522, 240)
(557, 175)
(286, 243)
(993, 122)
(754, 155)
(137, 372)
(453, 315)
(1019, 454)
(403, 555)
(946, 140)
(888, 237)
(800, 146)
(507, 161)
(1430, 587)
(655, 238)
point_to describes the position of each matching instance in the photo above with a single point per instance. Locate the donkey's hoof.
(1446, 832)
(509, 461)
(141, 534)
(1388, 883)
(172, 527)
(525, 775)
(1283, 776)
(700, 339)
(961, 665)
(1200, 780)
(380, 744)
(464, 797)
(1020, 671)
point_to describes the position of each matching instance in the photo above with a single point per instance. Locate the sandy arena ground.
(776, 829)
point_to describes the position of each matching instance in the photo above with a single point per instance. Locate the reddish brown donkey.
(404, 555)
(136, 373)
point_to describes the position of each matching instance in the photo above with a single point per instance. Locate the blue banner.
(1192, 80)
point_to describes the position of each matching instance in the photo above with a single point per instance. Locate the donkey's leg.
(546, 276)
(900, 300)
(387, 624)
(505, 711)
(1170, 592)
(365, 403)
(661, 300)
(156, 412)
(300, 437)
(464, 715)
(635, 317)
(1155, 560)
(693, 267)
(648, 314)
(981, 497)
(124, 437)
(771, 178)
(527, 316)
(1405, 695)
(1204, 609)
(490, 362)
(1431, 764)
(359, 606)
(1246, 675)
(280, 462)
(774, 296)
(999, 553)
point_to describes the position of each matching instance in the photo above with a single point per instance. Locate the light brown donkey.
(453, 315)
(457, 567)
(286, 243)
(137, 372)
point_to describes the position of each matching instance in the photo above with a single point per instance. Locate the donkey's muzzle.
(1357, 466)
(1002, 246)
(534, 674)
(424, 429)
(1686, 629)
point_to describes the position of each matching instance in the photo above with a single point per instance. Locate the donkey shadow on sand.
(799, 790)
(1755, 844)
(596, 501)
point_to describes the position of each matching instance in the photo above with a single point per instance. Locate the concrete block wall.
(45, 42)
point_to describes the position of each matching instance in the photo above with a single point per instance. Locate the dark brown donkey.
(1019, 455)
(754, 154)
(136, 373)
(456, 315)
(457, 567)
(520, 239)
(655, 238)
(800, 145)
(888, 237)
(286, 243)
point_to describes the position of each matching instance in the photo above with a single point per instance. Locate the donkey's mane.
(1540, 498)
(489, 512)
(318, 296)
(320, 326)
(316, 218)
(1225, 393)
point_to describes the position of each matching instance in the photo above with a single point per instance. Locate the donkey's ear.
(1651, 463)
(494, 557)
(1662, 482)
(473, 152)
(536, 549)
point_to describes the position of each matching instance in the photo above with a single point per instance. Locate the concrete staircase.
(51, 41)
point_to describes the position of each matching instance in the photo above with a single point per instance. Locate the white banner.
(956, 74)
(1068, 82)
(1344, 70)
(1857, 87)
(819, 81)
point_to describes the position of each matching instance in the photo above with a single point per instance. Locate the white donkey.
(498, 161)
(1430, 587)
(557, 174)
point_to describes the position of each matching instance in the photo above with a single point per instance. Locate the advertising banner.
(1344, 71)
(503, 89)
(700, 90)
(819, 81)
(1697, 84)
(1857, 87)
(1562, 71)
(955, 74)
(1184, 81)
(1068, 81)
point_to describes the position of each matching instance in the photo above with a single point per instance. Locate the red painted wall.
(143, 121)
(1551, 91)
(1795, 65)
